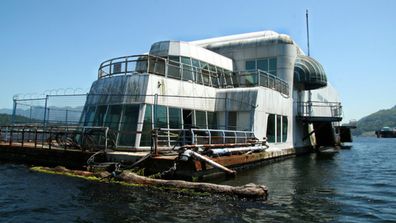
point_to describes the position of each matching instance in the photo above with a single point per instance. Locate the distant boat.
(386, 132)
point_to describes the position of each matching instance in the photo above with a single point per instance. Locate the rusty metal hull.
(198, 170)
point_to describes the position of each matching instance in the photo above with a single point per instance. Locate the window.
(175, 118)
(277, 126)
(250, 65)
(99, 115)
(272, 66)
(145, 139)
(174, 67)
(228, 77)
(232, 120)
(187, 69)
(89, 117)
(157, 66)
(197, 71)
(205, 73)
(113, 117)
(266, 64)
(128, 127)
(212, 120)
(161, 117)
(271, 128)
(284, 128)
(200, 119)
(262, 64)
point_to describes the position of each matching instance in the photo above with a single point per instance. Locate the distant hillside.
(5, 119)
(375, 121)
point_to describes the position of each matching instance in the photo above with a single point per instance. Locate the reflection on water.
(355, 185)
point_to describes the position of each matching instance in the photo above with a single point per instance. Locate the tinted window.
(262, 64)
(175, 118)
(161, 117)
(284, 128)
(113, 117)
(271, 128)
(128, 125)
(232, 120)
(145, 139)
(200, 119)
(212, 120)
(250, 65)
(100, 115)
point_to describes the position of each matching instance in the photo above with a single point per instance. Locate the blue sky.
(58, 44)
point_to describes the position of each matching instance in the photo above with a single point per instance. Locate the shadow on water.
(354, 185)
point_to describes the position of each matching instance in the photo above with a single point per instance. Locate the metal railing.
(59, 137)
(202, 137)
(150, 64)
(262, 78)
(319, 109)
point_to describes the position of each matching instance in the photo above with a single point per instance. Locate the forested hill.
(375, 121)
(5, 119)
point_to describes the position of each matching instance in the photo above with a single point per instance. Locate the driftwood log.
(247, 191)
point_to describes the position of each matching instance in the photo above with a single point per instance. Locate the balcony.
(317, 111)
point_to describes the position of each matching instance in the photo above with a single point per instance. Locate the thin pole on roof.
(306, 20)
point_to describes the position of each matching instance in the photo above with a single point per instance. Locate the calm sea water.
(356, 185)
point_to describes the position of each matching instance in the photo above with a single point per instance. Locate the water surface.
(356, 185)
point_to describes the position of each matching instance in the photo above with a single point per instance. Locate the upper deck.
(191, 70)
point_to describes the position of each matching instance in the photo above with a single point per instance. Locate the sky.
(52, 45)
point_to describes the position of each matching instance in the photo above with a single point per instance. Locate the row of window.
(265, 64)
(277, 128)
(187, 68)
(123, 119)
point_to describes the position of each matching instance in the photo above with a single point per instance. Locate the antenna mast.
(306, 20)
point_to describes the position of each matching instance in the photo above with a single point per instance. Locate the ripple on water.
(356, 185)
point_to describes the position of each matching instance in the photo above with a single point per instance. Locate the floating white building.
(228, 87)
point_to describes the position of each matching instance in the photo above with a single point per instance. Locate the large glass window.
(187, 69)
(157, 66)
(174, 67)
(272, 66)
(212, 120)
(99, 115)
(271, 128)
(284, 128)
(89, 116)
(175, 118)
(161, 117)
(232, 120)
(128, 127)
(250, 65)
(262, 64)
(113, 117)
(205, 73)
(265, 64)
(200, 119)
(277, 132)
(145, 139)
(228, 77)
